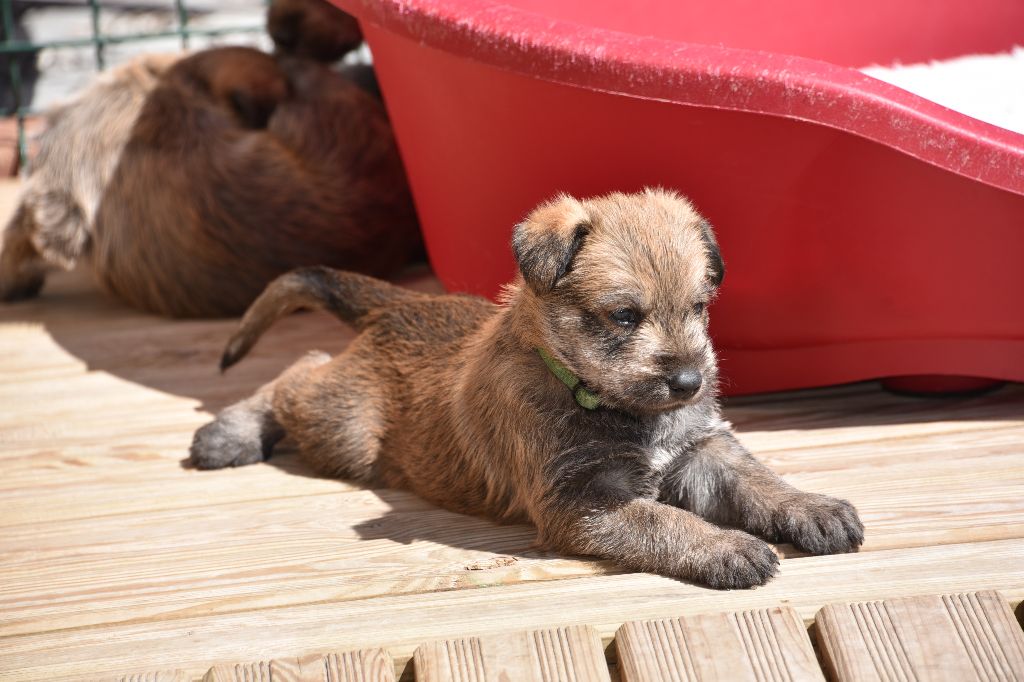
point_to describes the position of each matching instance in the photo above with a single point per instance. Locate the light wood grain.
(765, 645)
(355, 544)
(401, 623)
(366, 665)
(273, 553)
(565, 654)
(971, 636)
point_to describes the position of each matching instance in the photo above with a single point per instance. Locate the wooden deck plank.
(70, 477)
(364, 665)
(952, 637)
(564, 654)
(362, 543)
(400, 623)
(766, 645)
(868, 416)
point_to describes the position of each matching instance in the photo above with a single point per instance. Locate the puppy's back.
(228, 204)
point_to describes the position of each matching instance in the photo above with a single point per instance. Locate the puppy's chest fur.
(619, 455)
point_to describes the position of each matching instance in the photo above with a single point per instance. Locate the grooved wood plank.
(159, 676)
(766, 645)
(967, 636)
(566, 654)
(457, 660)
(365, 665)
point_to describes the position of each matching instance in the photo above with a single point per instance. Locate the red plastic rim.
(705, 75)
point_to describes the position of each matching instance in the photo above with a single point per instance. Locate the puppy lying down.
(584, 402)
(187, 184)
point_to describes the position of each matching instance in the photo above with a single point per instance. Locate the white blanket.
(989, 87)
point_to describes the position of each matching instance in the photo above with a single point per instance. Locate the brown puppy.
(190, 191)
(612, 445)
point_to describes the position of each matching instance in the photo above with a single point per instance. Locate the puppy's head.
(314, 29)
(619, 287)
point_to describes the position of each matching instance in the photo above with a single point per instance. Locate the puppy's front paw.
(820, 524)
(734, 559)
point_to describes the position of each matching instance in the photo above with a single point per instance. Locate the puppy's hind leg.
(246, 432)
(338, 415)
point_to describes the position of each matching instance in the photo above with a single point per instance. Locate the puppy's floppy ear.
(716, 266)
(547, 241)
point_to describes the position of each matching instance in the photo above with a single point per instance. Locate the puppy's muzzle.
(684, 384)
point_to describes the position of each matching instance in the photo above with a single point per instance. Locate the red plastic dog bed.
(867, 232)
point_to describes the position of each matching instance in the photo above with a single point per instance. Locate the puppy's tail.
(348, 295)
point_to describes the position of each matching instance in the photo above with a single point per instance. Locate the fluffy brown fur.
(447, 396)
(189, 187)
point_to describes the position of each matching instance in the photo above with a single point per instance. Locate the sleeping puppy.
(187, 189)
(584, 403)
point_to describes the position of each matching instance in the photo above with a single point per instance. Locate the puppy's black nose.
(685, 383)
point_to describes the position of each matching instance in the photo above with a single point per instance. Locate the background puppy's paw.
(820, 524)
(229, 441)
(735, 559)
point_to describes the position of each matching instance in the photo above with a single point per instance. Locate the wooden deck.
(115, 558)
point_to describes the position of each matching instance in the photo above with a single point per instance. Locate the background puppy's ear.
(545, 243)
(716, 266)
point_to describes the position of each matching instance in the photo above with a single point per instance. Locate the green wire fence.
(14, 50)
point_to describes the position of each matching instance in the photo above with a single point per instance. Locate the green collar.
(585, 398)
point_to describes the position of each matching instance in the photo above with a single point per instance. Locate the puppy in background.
(188, 186)
(187, 190)
(584, 403)
(301, 170)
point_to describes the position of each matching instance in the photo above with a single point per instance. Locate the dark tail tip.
(227, 360)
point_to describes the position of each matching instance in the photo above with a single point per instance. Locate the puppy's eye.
(698, 308)
(625, 317)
